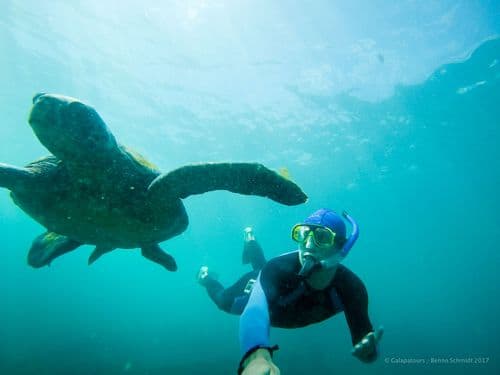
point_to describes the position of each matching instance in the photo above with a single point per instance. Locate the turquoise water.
(389, 112)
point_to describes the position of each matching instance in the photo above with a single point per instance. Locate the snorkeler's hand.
(366, 349)
(260, 363)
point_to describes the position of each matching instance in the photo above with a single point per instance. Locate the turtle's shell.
(102, 205)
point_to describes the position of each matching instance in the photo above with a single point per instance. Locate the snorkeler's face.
(310, 248)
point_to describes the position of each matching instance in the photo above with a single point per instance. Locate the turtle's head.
(70, 129)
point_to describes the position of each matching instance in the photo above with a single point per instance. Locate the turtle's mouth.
(38, 96)
(53, 123)
(49, 103)
(68, 128)
(45, 109)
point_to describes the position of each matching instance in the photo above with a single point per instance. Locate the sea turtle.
(93, 190)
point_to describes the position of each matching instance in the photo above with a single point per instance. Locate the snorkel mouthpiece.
(309, 264)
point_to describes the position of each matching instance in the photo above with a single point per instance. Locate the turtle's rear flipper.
(242, 178)
(98, 252)
(156, 254)
(48, 246)
(12, 177)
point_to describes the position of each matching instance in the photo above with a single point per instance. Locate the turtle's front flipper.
(13, 177)
(48, 246)
(98, 252)
(242, 178)
(156, 254)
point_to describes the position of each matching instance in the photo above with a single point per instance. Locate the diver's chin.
(330, 263)
(310, 264)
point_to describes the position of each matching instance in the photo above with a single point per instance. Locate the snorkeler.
(299, 288)
(304, 287)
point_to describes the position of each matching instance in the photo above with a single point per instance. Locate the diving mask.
(322, 237)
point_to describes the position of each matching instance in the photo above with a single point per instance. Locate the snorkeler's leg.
(214, 289)
(217, 294)
(252, 251)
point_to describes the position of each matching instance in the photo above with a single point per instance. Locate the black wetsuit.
(281, 298)
(293, 303)
(290, 301)
(234, 298)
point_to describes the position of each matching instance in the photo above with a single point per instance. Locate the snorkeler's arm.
(354, 297)
(254, 335)
(254, 322)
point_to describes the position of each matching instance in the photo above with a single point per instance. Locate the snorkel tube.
(353, 237)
